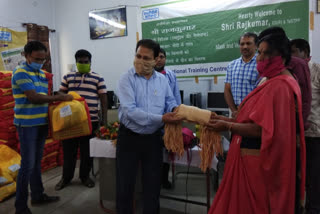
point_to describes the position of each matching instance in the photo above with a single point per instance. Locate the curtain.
(40, 33)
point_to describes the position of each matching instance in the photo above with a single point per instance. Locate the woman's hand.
(218, 125)
(220, 117)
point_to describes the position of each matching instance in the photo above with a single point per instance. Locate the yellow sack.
(9, 164)
(5, 178)
(68, 114)
(7, 190)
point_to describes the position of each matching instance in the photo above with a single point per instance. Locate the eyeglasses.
(40, 60)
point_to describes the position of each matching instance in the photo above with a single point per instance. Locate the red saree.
(265, 183)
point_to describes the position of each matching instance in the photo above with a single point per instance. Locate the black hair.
(302, 45)
(278, 43)
(150, 44)
(83, 53)
(34, 46)
(272, 30)
(249, 34)
(163, 51)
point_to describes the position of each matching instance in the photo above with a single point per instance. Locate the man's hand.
(64, 97)
(171, 117)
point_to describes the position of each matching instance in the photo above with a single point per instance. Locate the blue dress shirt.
(144, 101)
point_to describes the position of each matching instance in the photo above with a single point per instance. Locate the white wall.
(110, 57)
(15, 12)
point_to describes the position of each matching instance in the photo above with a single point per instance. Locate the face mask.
(35, 66)
(144, 67)
(308, 59)
(270, 67)
(83, 68)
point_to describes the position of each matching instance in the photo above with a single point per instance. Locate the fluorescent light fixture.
(108, 21)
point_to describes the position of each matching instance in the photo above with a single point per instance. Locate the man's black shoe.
(61, 184)
(26, 211)
(88, 182)
(45, 199)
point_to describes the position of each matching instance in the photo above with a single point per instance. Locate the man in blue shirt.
(172, 80)
(242, 73)
(170, 75)
(146, 103)
(30, 92)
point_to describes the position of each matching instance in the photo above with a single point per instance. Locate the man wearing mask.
(146, 103)
(301, 48)
(241, 73)
(91, 87)
(30, 91)
(172, 80)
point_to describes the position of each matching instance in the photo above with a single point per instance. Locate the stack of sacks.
(8, 130)
(50, 154)
(51, 147)
(9, 168)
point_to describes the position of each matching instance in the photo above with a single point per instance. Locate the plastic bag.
(9, 161)
(79, 129)
(7, 190)
(68, 114)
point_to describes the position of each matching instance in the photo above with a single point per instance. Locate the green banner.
(207, 42)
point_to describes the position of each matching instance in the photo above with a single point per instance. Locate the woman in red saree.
(265, 168)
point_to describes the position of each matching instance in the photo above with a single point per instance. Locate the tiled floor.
(77, 198)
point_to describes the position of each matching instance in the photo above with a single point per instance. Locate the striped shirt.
(88, 86)
(25, 78)
(242, 78)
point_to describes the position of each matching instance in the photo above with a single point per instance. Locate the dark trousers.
(313, 175)
(70, 151)
(32, 141)
(165, 167)
(133, 149)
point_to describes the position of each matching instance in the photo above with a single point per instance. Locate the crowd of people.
(272, 90)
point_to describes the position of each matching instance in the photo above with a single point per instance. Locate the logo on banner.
(150, 14)
(5, 36)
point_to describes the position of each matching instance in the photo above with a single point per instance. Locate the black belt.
(127, 131)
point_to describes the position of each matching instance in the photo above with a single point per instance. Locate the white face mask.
(144, 67)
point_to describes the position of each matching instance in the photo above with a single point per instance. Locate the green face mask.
(83, 68)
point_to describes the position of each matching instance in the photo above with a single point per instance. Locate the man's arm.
(36, 98)
(104, 107)
(229, 98)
